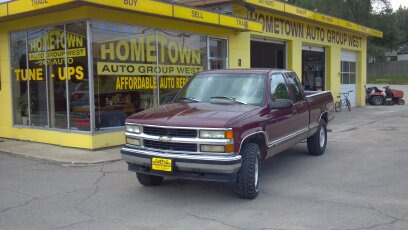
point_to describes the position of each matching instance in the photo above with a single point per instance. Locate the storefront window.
(37, 77)
(217, 57)
(125, 60)
(78, 80)
(180, 55)
(55, 73)
(40, 76)
(18, 58)
(134, 68)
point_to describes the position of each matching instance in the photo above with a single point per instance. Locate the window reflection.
(124, 77)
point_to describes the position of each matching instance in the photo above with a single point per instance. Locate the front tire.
(149, 180)
(377, 100)
(317, 143)
(247, 184)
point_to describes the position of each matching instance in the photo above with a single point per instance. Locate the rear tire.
(247, 184)
(149, 180)
(377, 100)
(337, 106)
(348, 105)
(317, 143)
(401, 101)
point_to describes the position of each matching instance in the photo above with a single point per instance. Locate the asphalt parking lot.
(359, 183)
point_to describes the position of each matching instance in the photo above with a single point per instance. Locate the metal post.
(46, 82)
(157, 66)
(28, 83)
(90, 77)
(67, 91)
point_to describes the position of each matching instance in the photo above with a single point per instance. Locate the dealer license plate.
(162, 164)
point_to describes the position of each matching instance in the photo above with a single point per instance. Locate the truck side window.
(279, 89)
(294, 84)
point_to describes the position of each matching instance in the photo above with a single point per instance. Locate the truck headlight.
(132, 141)
(216, 134)
(133, 128)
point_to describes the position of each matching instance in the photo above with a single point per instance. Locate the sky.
(396, 3)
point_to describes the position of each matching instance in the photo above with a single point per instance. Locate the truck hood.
(192, 114)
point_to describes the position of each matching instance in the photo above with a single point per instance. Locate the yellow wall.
(239, 49)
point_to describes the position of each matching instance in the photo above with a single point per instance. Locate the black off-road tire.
(377, 100)
(246, 185)
(401, 101)
(149, 180)
(314, 144)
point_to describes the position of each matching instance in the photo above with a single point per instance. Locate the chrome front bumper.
(184, 162)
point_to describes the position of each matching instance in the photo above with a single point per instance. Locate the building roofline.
(22, 8)
(288, 9)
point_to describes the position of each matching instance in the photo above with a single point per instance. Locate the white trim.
(348, 56)
(268, 40)
(313, 48)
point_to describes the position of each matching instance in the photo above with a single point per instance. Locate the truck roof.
(248, 71)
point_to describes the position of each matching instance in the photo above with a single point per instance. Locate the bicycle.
(343, 102)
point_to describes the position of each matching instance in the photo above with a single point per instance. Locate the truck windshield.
(224, 88)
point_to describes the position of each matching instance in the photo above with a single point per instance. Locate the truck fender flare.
(321, 115)
(252, 134)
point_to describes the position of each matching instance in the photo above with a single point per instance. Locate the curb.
(62, 163)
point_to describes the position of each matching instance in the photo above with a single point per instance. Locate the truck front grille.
(156, 131)
(170, 146)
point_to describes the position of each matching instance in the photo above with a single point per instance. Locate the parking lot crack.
(18, 206)
(385, 214)
(76, 223)
(96, 189)
(215, 220)
(103, 174)
(374, 225)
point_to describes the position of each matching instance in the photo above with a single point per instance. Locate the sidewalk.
(57, 154)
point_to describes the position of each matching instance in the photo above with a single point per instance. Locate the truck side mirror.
(280, 104)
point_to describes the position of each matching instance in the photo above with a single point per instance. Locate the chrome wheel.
(322, 136)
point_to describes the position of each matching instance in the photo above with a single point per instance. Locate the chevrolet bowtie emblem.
(165, 139)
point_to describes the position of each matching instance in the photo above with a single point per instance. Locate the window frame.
(349, 72)
(89, 53)
(209, 58)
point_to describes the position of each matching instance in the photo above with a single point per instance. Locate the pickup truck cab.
(223, 124)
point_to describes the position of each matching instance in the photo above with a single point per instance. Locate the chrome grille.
(157, 131)
(170, 146)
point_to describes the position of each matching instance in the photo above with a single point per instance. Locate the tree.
(402, 24)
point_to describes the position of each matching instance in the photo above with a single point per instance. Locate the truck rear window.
(214, 88)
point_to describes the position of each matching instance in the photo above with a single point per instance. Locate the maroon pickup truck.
(222, 124)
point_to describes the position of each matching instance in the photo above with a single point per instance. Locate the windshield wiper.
(189, 99)
(233, 99)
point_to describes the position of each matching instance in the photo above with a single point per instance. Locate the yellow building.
(73, 70)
